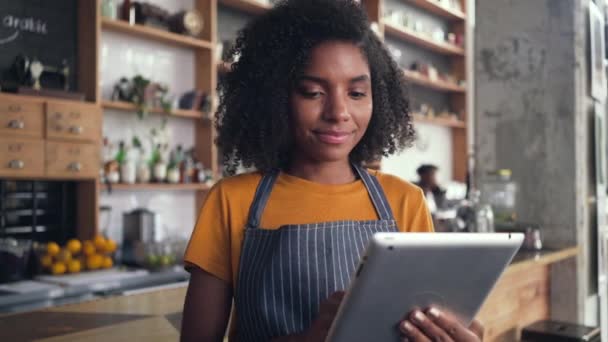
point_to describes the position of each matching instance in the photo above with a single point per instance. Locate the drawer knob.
(75, 167)
(76, 130)
(16, 124)
(16, 164)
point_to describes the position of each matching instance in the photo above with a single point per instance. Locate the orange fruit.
(88, 248)
(94, 261)
(100, 243)
(74, 266)
(46, 261)
(107, 262)
(74, 246)
(110, 246)
(64, 256)
(52, 248)
(58, 268)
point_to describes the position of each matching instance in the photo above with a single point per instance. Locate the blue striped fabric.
(286, 273)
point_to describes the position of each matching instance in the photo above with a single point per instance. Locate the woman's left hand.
(436, 325)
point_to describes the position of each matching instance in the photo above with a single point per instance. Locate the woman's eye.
(311, 94)
(357, 95)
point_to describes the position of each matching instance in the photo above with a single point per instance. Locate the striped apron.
(286, 273)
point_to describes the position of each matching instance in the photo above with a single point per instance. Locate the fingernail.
(419, 316)
(434, 312)
(407, 326)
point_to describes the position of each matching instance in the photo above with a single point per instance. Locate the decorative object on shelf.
(143, 93)
(173, 175)
(195, 100)
(159, 173)
(122, 90)
(149, 14)
(109, 9)
(429, 71)
(111, 167)
(451, 38)
(128, 170)
(187, 23)
(30, 76)
(439, 35)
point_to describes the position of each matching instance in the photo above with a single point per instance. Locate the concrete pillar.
(532, 115)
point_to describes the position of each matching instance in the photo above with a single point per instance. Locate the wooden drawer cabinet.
(21, 157)
(69, 161)
(73, 121)
(21, 119)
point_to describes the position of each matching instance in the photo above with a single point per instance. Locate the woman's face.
(331, 104)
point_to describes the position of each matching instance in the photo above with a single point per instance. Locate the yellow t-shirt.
(215, 245)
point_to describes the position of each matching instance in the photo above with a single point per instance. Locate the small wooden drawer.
(71, 160)
(73, 121)
(21, 118)
(21, 157)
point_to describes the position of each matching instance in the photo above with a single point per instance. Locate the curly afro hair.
(253, 117)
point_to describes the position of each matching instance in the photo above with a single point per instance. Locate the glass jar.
(500, 191)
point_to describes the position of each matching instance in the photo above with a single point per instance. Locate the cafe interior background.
(106, 142)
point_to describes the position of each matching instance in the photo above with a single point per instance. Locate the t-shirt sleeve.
(209, 246)
(420, 220)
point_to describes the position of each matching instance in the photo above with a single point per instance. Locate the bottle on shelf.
(160, 167)
(127, 164)
(143, 168)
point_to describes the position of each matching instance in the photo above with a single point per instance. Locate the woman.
(313, 95)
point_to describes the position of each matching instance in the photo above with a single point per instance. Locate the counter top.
(149, 315)
(56, 292)
(525, 259)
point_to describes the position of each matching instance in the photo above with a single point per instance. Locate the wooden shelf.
(154, 34)
(248, 6)
(157, 187)
(440, 85)
(181, 113)
(424, 42)
(440, 121)
(437, 9)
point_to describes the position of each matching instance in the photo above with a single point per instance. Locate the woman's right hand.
(320, 326)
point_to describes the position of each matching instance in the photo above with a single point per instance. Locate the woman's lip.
(332, 137)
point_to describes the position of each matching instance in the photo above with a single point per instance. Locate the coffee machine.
(140, 228)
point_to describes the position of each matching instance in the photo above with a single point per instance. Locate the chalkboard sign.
(41, 29)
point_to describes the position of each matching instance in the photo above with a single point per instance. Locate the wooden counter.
(520, 298)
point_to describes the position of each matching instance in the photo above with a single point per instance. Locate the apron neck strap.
(262, 194)
(374, 189)
(260, 198)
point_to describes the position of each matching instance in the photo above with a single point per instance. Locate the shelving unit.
(457, 95)
(205, 79)
(437, 9)
(156, 187)
(151, 33)
(412, 37)
(248, 6)
(440, 85)
(178, 113)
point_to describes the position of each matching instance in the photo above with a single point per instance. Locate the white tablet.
(403, 271)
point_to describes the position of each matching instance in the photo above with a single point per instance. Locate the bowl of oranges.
(78, 256)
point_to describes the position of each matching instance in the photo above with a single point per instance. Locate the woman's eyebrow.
(317, 79)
